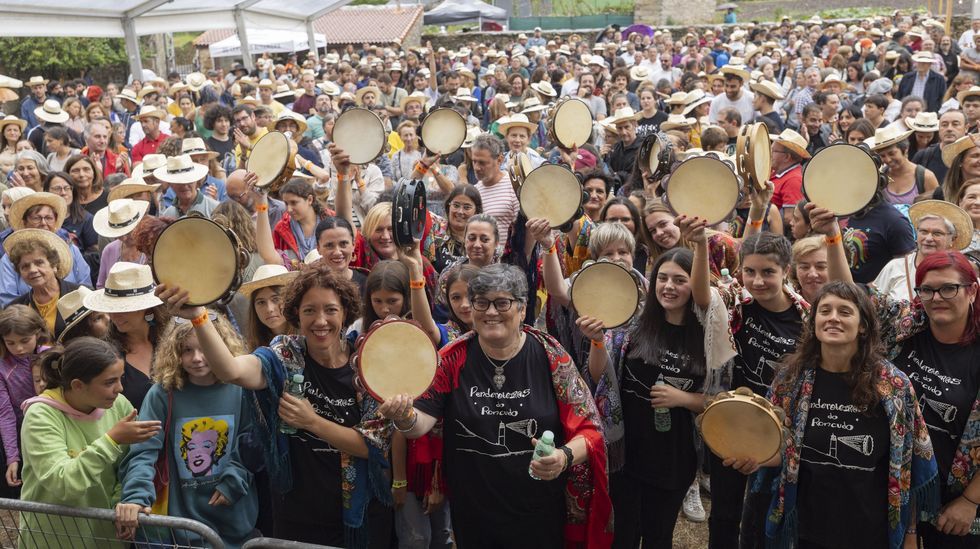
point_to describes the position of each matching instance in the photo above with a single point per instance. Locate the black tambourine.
(408, 212)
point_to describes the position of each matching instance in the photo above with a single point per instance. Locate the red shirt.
(147, 146)
(788, 187)
(109, 163)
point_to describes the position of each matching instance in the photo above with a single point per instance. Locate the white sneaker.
(692, 508)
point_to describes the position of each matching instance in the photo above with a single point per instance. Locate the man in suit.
(923, 82)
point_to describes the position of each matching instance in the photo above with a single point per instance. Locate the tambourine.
(408, 212)
(273, 160)
(442, 131)
(570, 125)
(703, 186)
(395, 357)
(753, 154)
(518, 170)
(657, 154)
(607, 291)
(361, 134)
(199, 256)
(552, 192)
(841, 178)
(742, 425)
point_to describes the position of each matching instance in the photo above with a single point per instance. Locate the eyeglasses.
(461, 206)
(946, 291)
(60, 188)
(501, 304)
(934, 234)
(42, 219)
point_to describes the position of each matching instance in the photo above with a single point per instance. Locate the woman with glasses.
(498, 389)
(78, 222)
(462, 203)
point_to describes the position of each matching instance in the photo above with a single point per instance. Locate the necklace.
(498, 369)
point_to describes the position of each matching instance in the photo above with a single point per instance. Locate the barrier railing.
(272, 543)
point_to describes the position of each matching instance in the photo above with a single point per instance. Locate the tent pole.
(243, 39)
(133, 48)
(311, 40)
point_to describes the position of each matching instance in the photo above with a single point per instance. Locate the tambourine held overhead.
(551, 192)
(442, 131)
(753, 154)
(273, 160)
(570, 125)
(606, 291)
(199, 256)
(841, 178)
(361, 134)
(408, 211)
(705, 187)
(395, 357)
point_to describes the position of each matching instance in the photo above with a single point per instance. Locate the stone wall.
(674, 12)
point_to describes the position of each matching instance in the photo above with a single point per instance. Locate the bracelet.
(396, 484)
(200, 320)
(262, 208)
(415, 419)
(963, 495)
(341, 177)
(552, 249)
(755, 224)
(417, 284)
(568, 458)
(598, 344)
(421, 167)
(831, 240)
(308, 165)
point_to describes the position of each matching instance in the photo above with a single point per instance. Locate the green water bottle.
(293, 387)
(544, 448)
(661, 416)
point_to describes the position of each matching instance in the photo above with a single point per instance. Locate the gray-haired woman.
(30, 170)
(497, 389)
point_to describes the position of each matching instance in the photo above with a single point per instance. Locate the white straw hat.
(72, 309)
(119, 217)
(181, 170)
(128, 288)
(52, 112)
(266, 276)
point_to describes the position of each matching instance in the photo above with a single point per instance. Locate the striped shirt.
(500, 202)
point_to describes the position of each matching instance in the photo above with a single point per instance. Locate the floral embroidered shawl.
(588, 521)
(912, 469)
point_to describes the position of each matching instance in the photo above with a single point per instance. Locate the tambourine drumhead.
(653, 162)
(396, 357)
(606, 291)
(741, 426)
(197, 255)
(841, 178)
(443, 131)
(268, 158)
(551, 192)
(524, 165)
(361, 134)
(760, 150)
(572, 124)
(705, 187)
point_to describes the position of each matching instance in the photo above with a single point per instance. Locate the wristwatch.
(568, 458)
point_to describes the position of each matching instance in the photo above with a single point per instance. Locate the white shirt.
(569, 88)
(743, 105)
(897, 278)
(966, 39)
(136, 132)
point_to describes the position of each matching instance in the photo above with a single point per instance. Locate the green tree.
(58, 57)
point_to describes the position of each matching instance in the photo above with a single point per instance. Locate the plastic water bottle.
(726, 278)
(661, 417)
(544, 448)
(293, 387)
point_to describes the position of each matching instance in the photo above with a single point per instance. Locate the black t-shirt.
(777, 121)
(843, 490)
(648, 126)
(876, 238)
(946, 382)
(487, 443)
(762, 340)
(315, 463)
(101, 202)
(665, 459)
(223, 148)
(135, 385)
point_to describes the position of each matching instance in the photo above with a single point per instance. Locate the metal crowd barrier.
(272, 543)
(33, 525)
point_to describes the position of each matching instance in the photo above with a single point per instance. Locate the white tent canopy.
(130, 18)
(265, 41)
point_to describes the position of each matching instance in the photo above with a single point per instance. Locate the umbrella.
(643, 30)
(726, 7)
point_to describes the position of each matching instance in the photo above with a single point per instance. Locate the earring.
(148, 317)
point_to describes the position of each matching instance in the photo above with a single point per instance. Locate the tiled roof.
(350, 25)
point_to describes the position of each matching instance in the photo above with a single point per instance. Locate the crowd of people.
(863, 331)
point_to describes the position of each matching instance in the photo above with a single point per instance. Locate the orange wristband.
(341, 177)
(598, 344)
(421, 167)
(417, 284)
(831, 240)
(756, 224)
(262, 208)
(200, 320)
(553, 249)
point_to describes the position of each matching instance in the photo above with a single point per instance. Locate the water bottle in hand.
(544, 448)
(293, 387)
(661, 417)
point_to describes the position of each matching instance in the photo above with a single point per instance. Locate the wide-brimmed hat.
(150, 163)
(331, 58)
(52, 112)
(414, 97)
(283, 90)
(886, 137)
(128, 288)
(149, 111)
(37, 81)
(195, 146)
(12, 120)
(792, 141)
(129, 95)
(72, 309)
(50, 239)
(329, 88)
(20, 206)
(130, 187)
(623, 115)
(181, 170)
(177, 88)
(923, 57)
(951, 212)
(119, 217)
(472, 133)
(676, 122)
(736, 70)
(359, 96)
(249, 100)
(834, 78)
(266, 276)
(950, 152)
(768, 89)
(639, 72)
(266, 83)
(196, 80)
(533, 104)
(677, 98)
(923, 122)
(290, 115)
(972, 91)
(544, 88)
(517, 120)
(695, 98)
(146, 90)
(463, 94)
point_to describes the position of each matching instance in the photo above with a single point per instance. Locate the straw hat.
(923, 122)
(472, 133)
(463, 94)
(267, 84)
(249, 100)
(951, 212)
(544, 88)
(181, 170)
(638, 72)
(695, 98)
(147, 90)
(311, 257)
(834, 78)
(266, 276)
(150, 163)
(792, 141)
(151, 112)
(119, 217)
(282, 90)
(950, 152)
(196, 80)
(533, 104)
(624, 114)
(414, 97)
(923, 57)
(290, 115)
(677, 122)
(768, 89)
(195, 146)
(329, 88)
(331, 58)
(130, 187)
(677, 98)
(36, 81)
(177, 88)
(130, 95)
(972, 91)
(20, 206)
(6, 121)
(52, 112)
(128, 288)
(886, 137)
(72, 310)
(736, 70)
(359, 96)
(518, 120)
(48, 238)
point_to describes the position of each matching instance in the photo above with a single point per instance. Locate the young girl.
(264, 293)
(23, 331)
(203, 423)
(75, 434)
